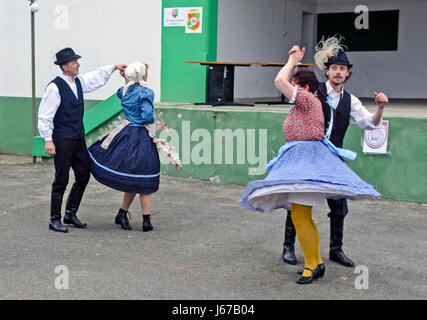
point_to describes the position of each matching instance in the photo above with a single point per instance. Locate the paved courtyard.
(204, 246)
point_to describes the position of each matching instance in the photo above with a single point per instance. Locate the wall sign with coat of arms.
(190, 18)
(194, 21)
(375, 141)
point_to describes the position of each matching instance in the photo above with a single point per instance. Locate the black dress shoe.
(289, 254)
(122, 219)
(71, 218)
(338, 255)
(56, 225)
(146, 223)
(320, 270)
(310, 279)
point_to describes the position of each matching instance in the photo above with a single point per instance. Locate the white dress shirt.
(359, 115)
(51, 99)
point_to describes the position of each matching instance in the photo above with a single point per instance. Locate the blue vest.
(341, 117)
(68, 120)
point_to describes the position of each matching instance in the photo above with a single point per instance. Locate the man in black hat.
(60, 123)
(346, 109)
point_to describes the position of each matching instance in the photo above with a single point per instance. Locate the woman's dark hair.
(308, 77)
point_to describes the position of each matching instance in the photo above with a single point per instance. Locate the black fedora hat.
(340, 58)
(65, 55)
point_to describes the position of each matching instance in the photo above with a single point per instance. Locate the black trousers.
(71, 154)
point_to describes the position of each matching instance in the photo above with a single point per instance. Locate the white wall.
(107, 32)
(252, 31)
(102, 32)
(401, 73)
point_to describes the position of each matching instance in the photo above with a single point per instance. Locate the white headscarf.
(326, 49)
(135, 72)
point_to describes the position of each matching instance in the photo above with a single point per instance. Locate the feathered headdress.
(327, 49)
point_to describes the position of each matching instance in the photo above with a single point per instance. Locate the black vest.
(341, 117)
(68, 120)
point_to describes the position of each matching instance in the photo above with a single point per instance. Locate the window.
(381, 34)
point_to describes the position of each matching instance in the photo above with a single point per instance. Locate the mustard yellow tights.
(308, 236)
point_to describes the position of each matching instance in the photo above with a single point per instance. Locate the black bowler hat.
(65, 55)
(340, 58)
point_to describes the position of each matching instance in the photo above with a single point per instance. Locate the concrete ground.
(204, 246)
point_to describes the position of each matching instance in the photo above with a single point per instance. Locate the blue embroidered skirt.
(130, 163)
(307, 173)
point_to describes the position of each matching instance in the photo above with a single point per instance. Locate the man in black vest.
(60, 123)
(347, 108)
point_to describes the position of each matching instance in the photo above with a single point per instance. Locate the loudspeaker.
(220, 85)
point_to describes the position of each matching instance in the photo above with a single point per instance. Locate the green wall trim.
(177, 46)
(93, 118)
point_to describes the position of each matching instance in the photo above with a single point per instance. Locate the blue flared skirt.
(307, 173)
(130, 163)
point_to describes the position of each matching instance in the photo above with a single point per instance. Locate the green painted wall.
(402, 173)
(399, 175)
(177, 46)
(16, 124)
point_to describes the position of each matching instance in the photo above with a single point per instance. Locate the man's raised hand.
(380, 99)
(120, 67)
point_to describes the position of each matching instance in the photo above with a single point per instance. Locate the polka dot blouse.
(305, 121)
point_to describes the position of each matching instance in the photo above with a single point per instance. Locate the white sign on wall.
(375, 141)
(190, 18)
(175, 17)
